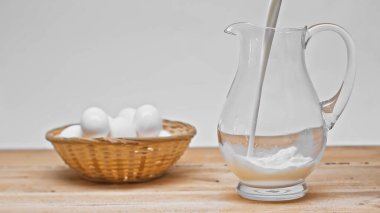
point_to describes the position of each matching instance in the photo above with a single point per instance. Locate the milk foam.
(283, 159)
(284, 167)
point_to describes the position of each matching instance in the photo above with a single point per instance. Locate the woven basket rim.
(52, 136)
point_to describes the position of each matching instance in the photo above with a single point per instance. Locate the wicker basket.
(123, 159)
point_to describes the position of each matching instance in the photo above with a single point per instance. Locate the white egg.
(95, 123)
(74, 131)
(128, 113)
(164, 133)
(148, 121)
(122, 128)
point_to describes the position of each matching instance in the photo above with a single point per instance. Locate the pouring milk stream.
(272, 16)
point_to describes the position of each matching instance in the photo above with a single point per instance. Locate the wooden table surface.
(347, 180)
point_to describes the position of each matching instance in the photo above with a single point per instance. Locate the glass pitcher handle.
(333, 107)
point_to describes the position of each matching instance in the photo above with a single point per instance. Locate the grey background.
(59, 57)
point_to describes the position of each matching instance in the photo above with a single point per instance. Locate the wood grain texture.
(347, 180)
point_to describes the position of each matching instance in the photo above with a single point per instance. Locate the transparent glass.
(280, 108)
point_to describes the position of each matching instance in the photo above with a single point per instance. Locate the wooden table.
(347, 180)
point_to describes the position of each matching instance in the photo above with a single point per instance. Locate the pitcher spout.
(236, 28)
